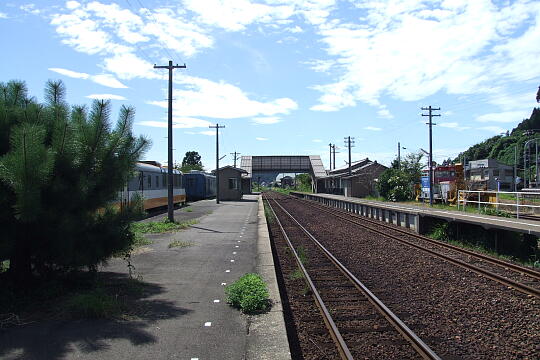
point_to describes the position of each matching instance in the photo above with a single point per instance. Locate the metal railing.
(518, 202)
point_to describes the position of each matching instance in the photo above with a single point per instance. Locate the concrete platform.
(192, 319)
(411, 216)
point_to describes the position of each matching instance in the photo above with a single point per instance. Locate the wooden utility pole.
(399, 156)
(430, 123)
(170, 194)
(217, 127)
(235, 157)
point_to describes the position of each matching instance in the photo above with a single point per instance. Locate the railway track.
(359, 323)
(520, 278)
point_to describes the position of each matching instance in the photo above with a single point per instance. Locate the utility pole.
(349, 142)
(515, 167)
(430, 123)
(334, 156)
(217, 127)
(235, 157)
(170, 194)
(330, 145)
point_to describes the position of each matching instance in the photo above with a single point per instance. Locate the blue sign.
(425, 182)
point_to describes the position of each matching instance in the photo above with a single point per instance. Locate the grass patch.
(157, 227)
(301, 251)
(296, 274)
(180, 244)
(249, 294)
(268, 214)
(188, 209)
(4, 266)
(94, 304)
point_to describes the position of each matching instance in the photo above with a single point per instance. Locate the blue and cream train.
(150, 181)
(199, 185)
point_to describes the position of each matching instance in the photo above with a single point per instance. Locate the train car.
(150, 182)
(199, 185)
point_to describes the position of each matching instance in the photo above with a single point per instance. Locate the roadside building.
(490, 174)
(230, 183)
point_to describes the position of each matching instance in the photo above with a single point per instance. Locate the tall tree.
(191, 161)
(60, 170)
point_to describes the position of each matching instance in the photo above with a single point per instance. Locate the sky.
(287, 77)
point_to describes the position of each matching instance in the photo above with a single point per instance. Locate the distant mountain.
(501, 147)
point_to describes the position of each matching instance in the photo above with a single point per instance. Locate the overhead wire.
(165, 47)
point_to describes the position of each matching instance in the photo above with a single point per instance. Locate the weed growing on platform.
(249, 293)
(180, 244)
(268, 214)
(188, 209)
(160, 226)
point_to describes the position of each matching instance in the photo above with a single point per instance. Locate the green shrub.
(440, 232)
(249, 293)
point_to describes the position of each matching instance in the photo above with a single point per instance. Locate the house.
(490, 174)
(360, 183)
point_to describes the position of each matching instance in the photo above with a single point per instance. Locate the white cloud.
(452, 125)
(109, 29)
(106, 97)
(30, 8)
(108, 80)
(295, 30)
(385, 53)
(103, 79)
(207, 133)
(372, 128)
(266, 120)
(261, 138)
(178, 123)
(383, 112)
(504, 117)
(493, 129)
(69, 73)
(3, 15)
(235, 15)
(221, 100)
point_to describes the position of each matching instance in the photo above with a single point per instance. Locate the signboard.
(425, 183)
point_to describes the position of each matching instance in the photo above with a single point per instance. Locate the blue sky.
(288, 77)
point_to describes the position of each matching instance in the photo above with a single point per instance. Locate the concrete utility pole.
(515, 166)
(170, 194)
(334, 156)
(349, 142)
(235, 157)
(217, 127)
(430, 123)
(330, 145)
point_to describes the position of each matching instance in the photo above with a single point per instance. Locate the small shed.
(230, 183)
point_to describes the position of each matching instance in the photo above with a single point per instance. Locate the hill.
(502, 147)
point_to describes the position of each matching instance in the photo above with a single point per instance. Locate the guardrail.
(519, 202)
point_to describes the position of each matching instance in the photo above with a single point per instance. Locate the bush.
(394, 185)
(249, 293)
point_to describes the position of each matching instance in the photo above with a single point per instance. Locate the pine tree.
(60, 170)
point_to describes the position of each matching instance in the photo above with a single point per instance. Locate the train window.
(149, 181)
(165, 180)
(157, 181)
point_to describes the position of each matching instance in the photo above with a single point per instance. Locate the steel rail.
(422, 348)
(521, 269)
(495, 277)
(329, 322)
